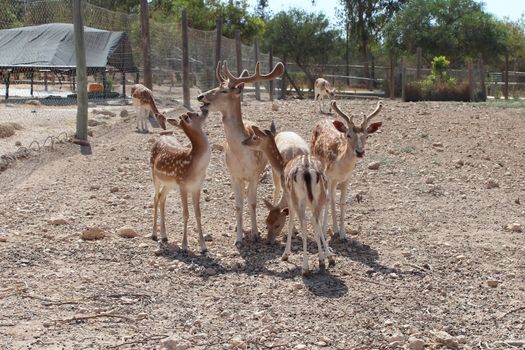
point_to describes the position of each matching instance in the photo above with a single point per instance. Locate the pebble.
(3, 239)
(93, 233)
(446, 339)
(396, 338)
(114, 189)
(458, 163)
(174, 343)
(94, 122)
(127, 232)
(104, 112)
(415, 344)
(300, 347)
(236, 342)
(208, 237)
(430, 180)
(374, 165)
(210, 271)
(124, 113)
(515, 227)
(490, 184)
(492, 283)
(57, 221)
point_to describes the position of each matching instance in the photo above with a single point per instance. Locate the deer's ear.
(373, 127)
(285, 211)
(239, 87)
(340, 126)
(258, 131)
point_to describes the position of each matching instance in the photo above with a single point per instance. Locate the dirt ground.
(431, 261)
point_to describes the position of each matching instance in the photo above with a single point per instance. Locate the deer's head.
(230, 87)
(357, 134)
(260, 139)
(189, 122)
(275, 220)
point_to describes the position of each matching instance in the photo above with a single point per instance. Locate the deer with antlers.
(174, 165)
(245, 165)
(322, 90)
(144, 104)
(304, 186)
(338, 146)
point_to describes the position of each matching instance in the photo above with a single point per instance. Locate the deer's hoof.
(164, 240)
(331, 261)
(154, 237)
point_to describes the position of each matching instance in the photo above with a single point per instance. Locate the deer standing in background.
(322, 90)
(304, 186)
(144, 103)
(338, 146)
(245, 165)
(174, 165)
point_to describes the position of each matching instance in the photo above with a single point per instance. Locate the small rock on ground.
(92, 234)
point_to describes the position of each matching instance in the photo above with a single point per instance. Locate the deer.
(289, 145)
(144, 104)
(304, 185)
(244, 164)
(338, 146)
(322, 90)
(173, 165)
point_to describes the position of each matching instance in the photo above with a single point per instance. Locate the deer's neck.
(276, 159)
(232, 119)
(199, 142)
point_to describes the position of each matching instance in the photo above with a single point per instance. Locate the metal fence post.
(257, 84)
(218, 46)
(146, 49)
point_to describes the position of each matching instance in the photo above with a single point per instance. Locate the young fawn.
(175, 165)
(304, 186)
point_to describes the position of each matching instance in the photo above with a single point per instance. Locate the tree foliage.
(455, 28)
(302, 37)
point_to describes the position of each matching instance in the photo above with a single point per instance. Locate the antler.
(349, 120)
(371, 115)
(277, 71)
(218, 73)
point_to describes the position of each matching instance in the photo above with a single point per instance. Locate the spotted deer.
(322, 90)
(338, 146)
(289, 145)
(304, 186)
(174, 165)
(144, 103)
(245, 165)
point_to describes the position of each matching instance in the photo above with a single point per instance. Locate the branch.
(108, 314)
(142, 341)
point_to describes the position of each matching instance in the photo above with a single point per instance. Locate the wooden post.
(282, 95)
(506, 89)
(32, 75)
(7, 82)
(482, 86)
(418, 63)
(238, 53)
(81, 72)
(257, 84)
(392, 78)
(45, 81)
(470, 79)
(146, 50)
(123, 84)
(270, 62)
(104, 84)
(185, 62)
(403, 79)
(217, 47)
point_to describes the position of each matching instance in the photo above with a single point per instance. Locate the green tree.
(366, 19)
(454, 28)
(302, 37)
(515, 43)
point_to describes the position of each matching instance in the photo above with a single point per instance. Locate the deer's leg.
(304, 236)
(288, 248)
(185, 217)
(238, 192)
(342, 204)
(277, 186)
(252, 205)
(162, 200)
(331, 193)
(138, 117)
(196, 197)
(327, 252)
(155, 210)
